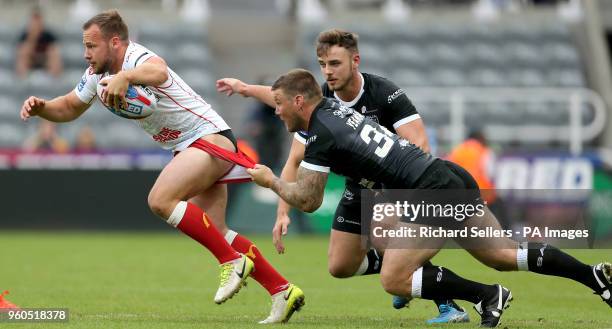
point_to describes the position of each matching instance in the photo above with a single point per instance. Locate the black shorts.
(229, 135)
(448, 185)
(348, 213)
(440, 174)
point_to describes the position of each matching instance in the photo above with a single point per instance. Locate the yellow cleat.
(284, 304)
(232, 277)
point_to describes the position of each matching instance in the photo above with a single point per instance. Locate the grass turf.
(121, 280)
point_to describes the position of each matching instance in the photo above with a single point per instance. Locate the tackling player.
(378, 99)
(185, 194)
(351, 145)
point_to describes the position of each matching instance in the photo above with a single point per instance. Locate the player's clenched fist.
(31, 107)
(262, 175)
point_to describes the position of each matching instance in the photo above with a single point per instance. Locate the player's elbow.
(311, 205)
(162, 74)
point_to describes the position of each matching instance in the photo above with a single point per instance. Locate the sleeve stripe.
(299, 138)
(139, 57)
(406, 120)
(311, 166)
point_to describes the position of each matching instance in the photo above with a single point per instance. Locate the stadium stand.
(519, 54)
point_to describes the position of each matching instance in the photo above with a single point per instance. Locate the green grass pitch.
(121, 280)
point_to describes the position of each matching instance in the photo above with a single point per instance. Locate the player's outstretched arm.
(289, 173)
(306, 193)
(230, 86)
(60, 109)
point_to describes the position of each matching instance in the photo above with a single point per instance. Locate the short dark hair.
(337, 37)
(110, 23)
(298, 82)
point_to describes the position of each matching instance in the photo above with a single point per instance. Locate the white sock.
(363, 267)
(177, 214)
(521, 257)
(417, 283)
(230, 236)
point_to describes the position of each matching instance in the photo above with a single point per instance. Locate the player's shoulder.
(378, 83)
(382, 88)
(137, 54)
(323, 114)
(334, 117)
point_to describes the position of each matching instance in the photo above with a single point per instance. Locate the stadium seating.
(513, 54)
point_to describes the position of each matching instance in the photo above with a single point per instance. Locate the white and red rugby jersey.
(181, 117)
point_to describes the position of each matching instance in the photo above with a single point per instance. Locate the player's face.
(338, 66)
(286, 109)
(97, 50)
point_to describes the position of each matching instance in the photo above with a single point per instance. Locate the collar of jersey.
(321, 104)
(356, 99)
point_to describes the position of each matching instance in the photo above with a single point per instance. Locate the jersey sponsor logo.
(166, 134)
(311, 139)
(82, 84)
(341, 219)
(343, 111)
(373, 118)
(348, 195)
(355, 119)
(395, 95)
(367, 183)
(403, 143)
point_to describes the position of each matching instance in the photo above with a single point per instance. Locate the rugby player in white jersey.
(185, 194)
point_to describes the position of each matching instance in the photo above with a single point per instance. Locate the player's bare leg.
(189, 173)
(214, 202)
(346, 254)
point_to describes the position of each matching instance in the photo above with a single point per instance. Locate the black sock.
(546, 259)
(374, 262)
(443, 301)
(440, 283)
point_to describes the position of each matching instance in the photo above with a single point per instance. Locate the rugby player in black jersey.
(345, 142)
(378, 99)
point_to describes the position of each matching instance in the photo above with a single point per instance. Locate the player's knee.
(342, 265)
(502, 260)
(159, 205)
(340, 271)
(397, 285)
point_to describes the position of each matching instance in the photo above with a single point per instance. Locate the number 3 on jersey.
(387, 142)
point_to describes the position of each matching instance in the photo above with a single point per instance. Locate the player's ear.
(115, 42)
(356, 59)
(298, 100)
